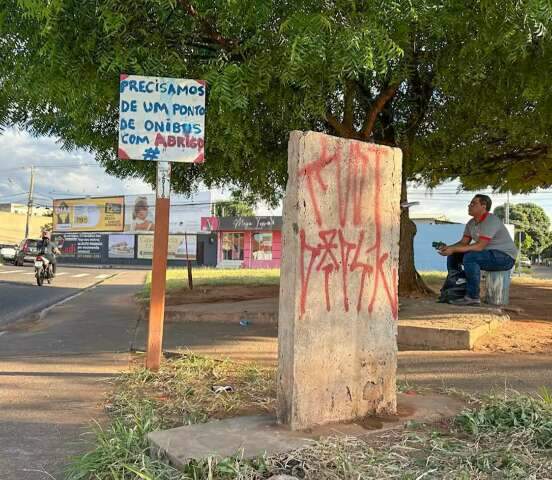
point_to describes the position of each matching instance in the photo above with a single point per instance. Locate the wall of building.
(426, 257)
(248, 260)
(12, 227)
(93, 248)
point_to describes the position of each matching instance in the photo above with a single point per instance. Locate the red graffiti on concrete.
(344, 247)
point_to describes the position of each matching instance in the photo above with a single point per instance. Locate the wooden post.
(190, 280)
(159, 267)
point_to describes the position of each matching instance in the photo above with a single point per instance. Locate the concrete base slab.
(254, 436)
(425, 324)
(262, 311)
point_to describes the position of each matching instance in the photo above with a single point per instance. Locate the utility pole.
(507, 211)
(30, 203)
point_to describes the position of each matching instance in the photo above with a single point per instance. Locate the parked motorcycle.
(43, 270)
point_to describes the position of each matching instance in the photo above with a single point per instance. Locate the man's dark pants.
(474, 262)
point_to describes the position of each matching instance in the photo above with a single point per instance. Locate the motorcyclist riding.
(48, 249)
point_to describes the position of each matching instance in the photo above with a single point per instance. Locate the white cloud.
(58, 173)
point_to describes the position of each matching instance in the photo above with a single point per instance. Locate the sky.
(60, 174)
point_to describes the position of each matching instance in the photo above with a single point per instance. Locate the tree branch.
(339, 128)
(530, 153)
(380, 101)
(207, 28)
(348, 110)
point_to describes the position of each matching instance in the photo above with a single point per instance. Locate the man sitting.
(486, 245)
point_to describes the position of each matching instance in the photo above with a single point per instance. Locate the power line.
(68, 165)
(13, 195)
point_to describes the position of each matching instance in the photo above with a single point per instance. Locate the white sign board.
(161, 119)
(185, 214)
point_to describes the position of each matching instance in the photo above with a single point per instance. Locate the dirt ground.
(221, 293)
(530, 328)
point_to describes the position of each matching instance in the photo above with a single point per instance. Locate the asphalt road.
(20, 296)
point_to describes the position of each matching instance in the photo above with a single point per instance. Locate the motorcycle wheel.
(39, 279)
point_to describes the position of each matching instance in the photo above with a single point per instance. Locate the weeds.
(181, 392)
(506, 436)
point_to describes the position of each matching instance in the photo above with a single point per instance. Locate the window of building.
(232, 246)
(262, 246)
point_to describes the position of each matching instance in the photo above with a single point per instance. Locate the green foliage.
(238, 206)
(465, 85)
(507, 436)
(521, 416)
(533, 222)
(47, 226)
(178, 394)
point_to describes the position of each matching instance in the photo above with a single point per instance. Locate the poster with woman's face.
(185, 213)
(140, 213)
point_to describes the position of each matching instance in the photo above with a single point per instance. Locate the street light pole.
(29, 203)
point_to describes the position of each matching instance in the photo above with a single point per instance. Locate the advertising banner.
(81, 245)
(177, 247)
(105, 214)
(185, 214)
(161, 119)
(121, 246)
(250, 223)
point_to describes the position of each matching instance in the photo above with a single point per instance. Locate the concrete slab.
(255, 436)
(425, 324)
(261, 311)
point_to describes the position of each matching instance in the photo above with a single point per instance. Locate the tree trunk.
(411, 283)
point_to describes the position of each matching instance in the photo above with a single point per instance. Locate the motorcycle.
(43, 270)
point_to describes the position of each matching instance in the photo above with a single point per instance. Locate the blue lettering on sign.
(188, 109)
(128, 106)
(174, 127)
(130, 138)
(144, 86)
(127, 124)
(156, 107)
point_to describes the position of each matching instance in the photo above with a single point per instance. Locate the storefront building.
(246, 242)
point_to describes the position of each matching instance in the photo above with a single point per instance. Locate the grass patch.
(507, 436)
(177, 278)
(434, 279)
(181, 392)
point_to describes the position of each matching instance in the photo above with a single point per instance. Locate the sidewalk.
(53, 374)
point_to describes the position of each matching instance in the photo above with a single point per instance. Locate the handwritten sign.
(161, 119)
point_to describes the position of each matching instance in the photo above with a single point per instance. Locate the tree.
(47, 226)
(531, 219)
(526, 244)
(393, 72)
(237, 206)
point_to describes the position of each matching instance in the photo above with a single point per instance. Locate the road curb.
(42, 309)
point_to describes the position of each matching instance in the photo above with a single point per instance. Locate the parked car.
(27, 251)
(525, 262)
(7, 252)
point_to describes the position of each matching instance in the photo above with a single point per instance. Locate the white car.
(7, 253)
(525, 262)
